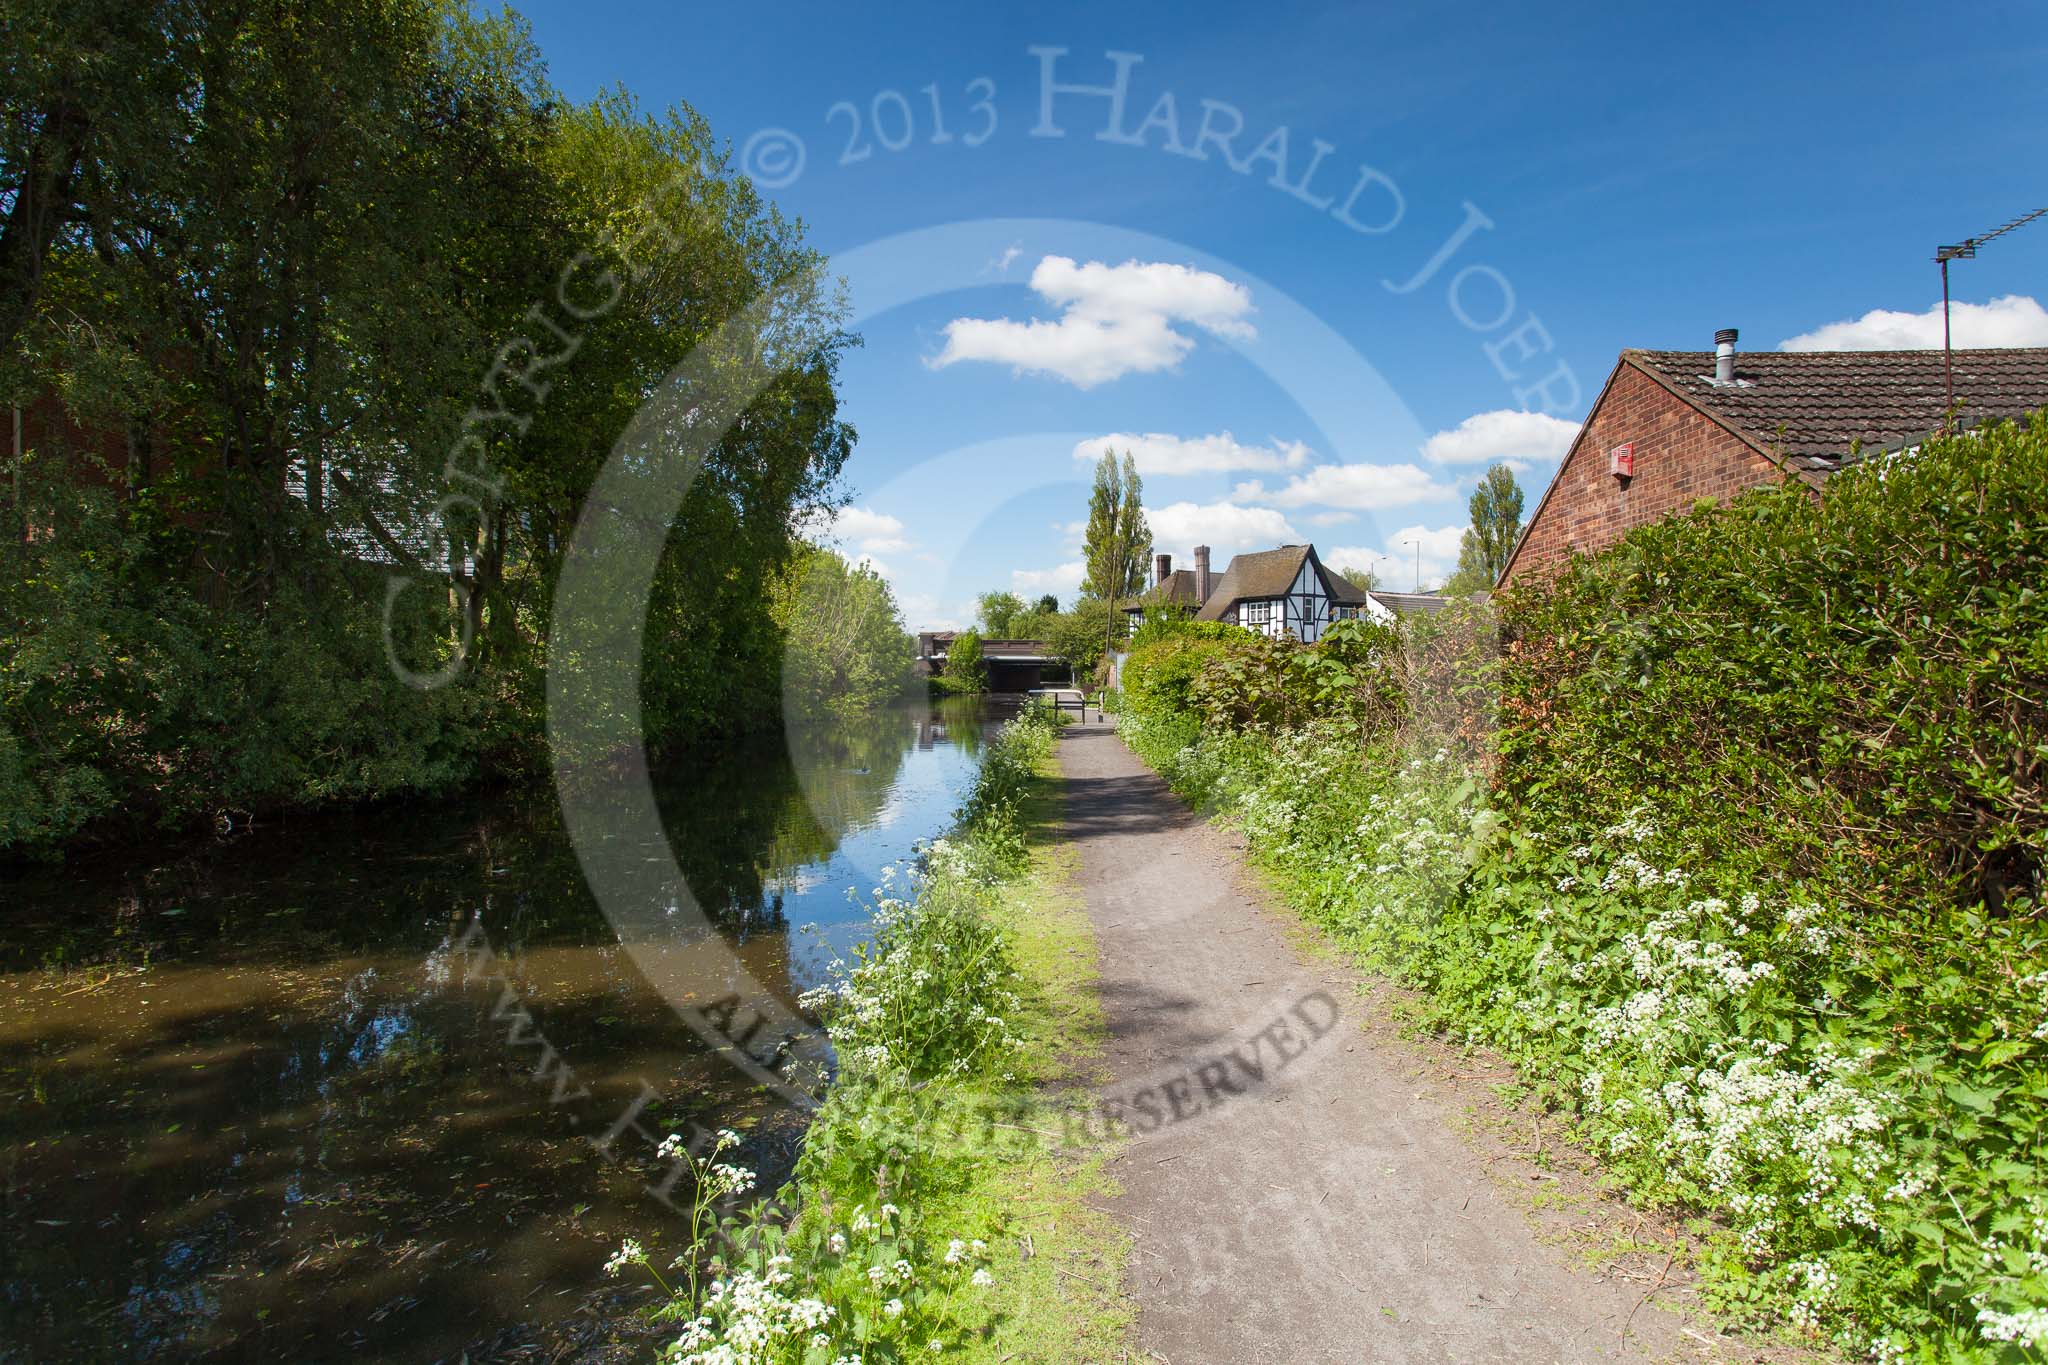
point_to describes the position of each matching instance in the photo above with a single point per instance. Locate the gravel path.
(1298, 1192)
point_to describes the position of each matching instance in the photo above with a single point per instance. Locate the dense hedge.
(1746, 880)
(1868, 674)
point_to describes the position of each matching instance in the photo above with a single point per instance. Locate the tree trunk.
(42, 201)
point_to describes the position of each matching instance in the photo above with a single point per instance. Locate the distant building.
(1011, 665)
(1285, 591)
(1409, 603)
(1672, 427)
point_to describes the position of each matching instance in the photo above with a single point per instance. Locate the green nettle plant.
(1748, 879)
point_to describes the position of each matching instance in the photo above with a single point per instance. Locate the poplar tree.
(1483, 552)
(1117, 539)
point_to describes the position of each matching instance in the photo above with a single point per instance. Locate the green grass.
(1060, 1259)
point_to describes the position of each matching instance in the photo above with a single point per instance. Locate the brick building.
(1672, 427)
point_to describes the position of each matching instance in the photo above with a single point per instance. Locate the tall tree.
(1496, 522)
(999, 613)
(1117, 540)
(844, 647)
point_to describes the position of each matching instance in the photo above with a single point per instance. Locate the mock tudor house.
(1673, 427)
(1285, 591)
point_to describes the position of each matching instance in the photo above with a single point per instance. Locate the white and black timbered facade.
(1286, 592)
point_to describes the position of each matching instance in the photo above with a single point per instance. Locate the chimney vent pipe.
(1162, 565)
(1724, 355)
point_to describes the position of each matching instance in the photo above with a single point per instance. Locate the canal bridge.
(1013, 665)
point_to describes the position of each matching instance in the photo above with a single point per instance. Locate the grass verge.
(938, 1206)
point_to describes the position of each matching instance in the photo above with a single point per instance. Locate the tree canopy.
(1496, 508)
(325, 319)
(999, 613)
(1117, 540)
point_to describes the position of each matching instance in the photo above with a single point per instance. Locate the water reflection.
(253, 1108)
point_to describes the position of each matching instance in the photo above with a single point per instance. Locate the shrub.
(124, 695)
(1871, 667)
(1160, 670)
(965, 670)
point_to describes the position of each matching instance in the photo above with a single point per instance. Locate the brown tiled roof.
(1343, 589)
(1262, 573)
(1821, 410)
(1178, 590)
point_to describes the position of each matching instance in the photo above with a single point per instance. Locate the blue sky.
(1596, 177)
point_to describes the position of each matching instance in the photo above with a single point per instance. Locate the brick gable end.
(1681, 456)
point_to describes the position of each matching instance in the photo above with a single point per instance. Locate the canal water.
(253, 1105)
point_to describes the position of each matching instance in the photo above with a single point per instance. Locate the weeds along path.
(1294, 1191)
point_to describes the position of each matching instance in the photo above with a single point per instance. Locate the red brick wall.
(1681, 457)
(87, 456)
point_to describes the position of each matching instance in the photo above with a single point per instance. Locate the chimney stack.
(1724, 355)
(1201, 577)
(1162, 565)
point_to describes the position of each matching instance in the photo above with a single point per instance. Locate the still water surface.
(250, 1107)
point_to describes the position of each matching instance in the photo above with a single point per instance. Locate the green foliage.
(966, 672)
(1749, 885)
(1161, 670)
(1117, 538)
(120, 690)
(1872, 667)
(999, 613)
(1077, 636)
(928, 1025)
(309, 279)
(844, 647)
(1232, 679)
(1365, 580)
(1483, 551)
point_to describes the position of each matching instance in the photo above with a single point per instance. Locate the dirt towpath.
(1299, 1190)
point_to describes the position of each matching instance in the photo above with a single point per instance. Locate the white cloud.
(922, 611)
(1395, 560)
(861, 527)
(1518, 439)
(1331, 518)
(1114, 320)
(1064, 580)
(1225, 528)
(1358, 487)
(1001, 264)
(1159, 453)
(2014, 320)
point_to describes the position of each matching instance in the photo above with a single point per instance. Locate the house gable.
(1681, 455)
(1786, 415)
